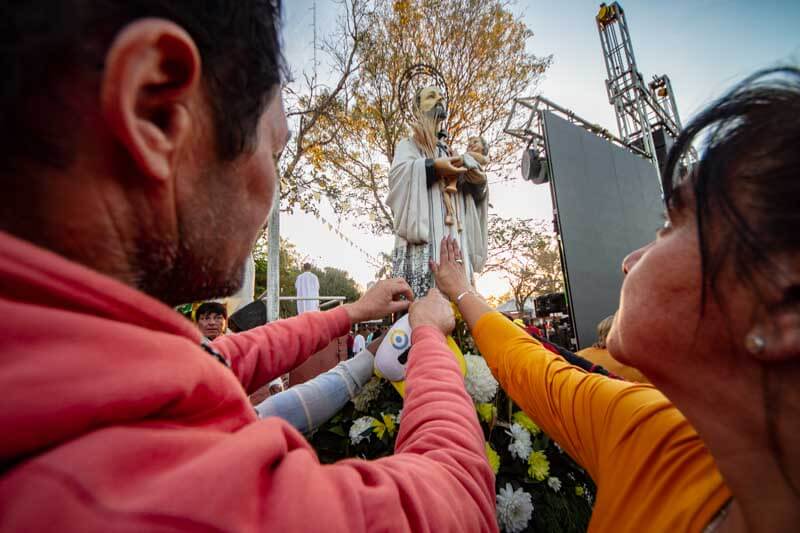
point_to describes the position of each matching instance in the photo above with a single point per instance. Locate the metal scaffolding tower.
(647, 115)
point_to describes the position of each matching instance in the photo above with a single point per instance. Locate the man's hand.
(446, 167)
(451, 278)
(380, 301)
(433, 310)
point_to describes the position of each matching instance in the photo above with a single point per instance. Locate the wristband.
(460, 296)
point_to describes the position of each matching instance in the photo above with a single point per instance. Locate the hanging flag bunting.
(346, 239)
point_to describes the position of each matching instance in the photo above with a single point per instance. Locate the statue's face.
(431, 102)
(475, 144)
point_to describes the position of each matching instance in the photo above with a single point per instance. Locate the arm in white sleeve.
(310, 404)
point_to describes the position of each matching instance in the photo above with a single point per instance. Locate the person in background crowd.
(307, 286)
(350, 343)
(714, 446)
(131, 132)
(360, 341)
(276, 386)
(570, 357)
(598, 354)
(212, 319)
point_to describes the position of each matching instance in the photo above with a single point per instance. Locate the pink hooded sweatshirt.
(115, 419)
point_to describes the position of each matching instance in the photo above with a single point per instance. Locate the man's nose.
(632, 258)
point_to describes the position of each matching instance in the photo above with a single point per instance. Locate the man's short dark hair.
(307, 266)
(44, 44)
(209, 308)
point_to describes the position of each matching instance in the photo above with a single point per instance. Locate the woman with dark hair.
(710, 313)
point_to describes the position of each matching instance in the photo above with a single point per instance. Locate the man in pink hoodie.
(126, 126)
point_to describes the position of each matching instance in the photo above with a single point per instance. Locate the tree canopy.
(332, 281)
(526, 252)
(478, 47)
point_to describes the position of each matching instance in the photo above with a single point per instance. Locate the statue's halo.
(415, 77)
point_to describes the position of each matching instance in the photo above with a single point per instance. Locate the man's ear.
(152, 70)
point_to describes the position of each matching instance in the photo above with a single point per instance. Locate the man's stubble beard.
(189, 268)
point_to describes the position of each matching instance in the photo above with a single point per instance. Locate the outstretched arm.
(587, 414)
(260, 354)
(309, 405)
(263, 476)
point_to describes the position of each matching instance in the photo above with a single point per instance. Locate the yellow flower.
(387, 425)
(579, 491)
(486, 412)
(538, 466)
(494, 459)
(525, 421)
(456, 312)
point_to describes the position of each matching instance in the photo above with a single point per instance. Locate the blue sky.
(705, 46)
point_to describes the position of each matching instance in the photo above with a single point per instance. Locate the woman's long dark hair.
(748, 177)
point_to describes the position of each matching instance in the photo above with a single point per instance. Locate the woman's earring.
(755, 343)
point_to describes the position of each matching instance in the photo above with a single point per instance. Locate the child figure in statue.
(474, 160)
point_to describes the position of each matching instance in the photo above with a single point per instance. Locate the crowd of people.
(130, 128)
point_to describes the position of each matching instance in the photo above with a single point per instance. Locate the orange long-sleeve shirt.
(653, 473)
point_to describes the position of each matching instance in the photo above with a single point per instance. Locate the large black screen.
(608, 203)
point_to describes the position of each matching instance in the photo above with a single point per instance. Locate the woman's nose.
(632, 258)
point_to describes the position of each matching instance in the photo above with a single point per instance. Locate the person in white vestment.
(307, 286)
(422, 166)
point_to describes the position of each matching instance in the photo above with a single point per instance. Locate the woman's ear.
(776, 338)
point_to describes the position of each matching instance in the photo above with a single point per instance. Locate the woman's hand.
(451, 278)
(381, 300)
(433, 310)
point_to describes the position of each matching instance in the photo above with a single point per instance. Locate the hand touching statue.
(449, 272)
(383, 299)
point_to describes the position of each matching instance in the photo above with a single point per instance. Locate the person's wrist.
(415, 330)
(458, 291)
(416, 325)
(355, 313)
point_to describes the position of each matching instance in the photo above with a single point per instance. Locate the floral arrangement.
(539, 487)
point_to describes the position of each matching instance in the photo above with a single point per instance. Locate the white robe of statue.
(307, 286)
(419, 214)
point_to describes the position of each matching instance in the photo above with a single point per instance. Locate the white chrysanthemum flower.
(554, 483)
(399, 416)
(520, 445)
(369, 392)
(361, 425)
(514, 509)
(479, 381)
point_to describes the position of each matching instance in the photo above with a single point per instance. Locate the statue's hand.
(447, 167)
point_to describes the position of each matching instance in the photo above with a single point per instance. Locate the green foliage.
(336, 282)
(526, 252)
(332, 281)
(554, 511)
(332, 440)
